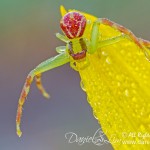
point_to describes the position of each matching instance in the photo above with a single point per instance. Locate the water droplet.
(144, 68)
(119, 77)
(94, 114)
(119, 84)
(129, 54)
(126, 92)
(133, 114)
(122, 51)
(134, 99)
(110, 73)
(137, 106)
(133, 64)
(133, 85)
(104, 53)
(108, 60)
(82, 85)
(140, 74)
(136, 68)
(142, 127)
(128, 106)
(144, 76)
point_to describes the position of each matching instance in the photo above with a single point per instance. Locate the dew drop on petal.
(133, 85)
(122, 51)
(110, 73)
(118, 84)
(126, 92)
(142, 127)
(82, 85)
(94, 114)
(104, 53)
(134, 99)
(108, 60)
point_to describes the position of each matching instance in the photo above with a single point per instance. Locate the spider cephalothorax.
(78, 55)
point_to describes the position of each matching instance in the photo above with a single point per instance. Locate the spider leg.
(62, 37)
(121, 29)
(96, 43)
(142, 44)
(49, 64)
(22, 98)
(94, 39)
(40, 86)
(60, 50)
(112, 40)
(145, 42)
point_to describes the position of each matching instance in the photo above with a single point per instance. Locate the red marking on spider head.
(73, 24)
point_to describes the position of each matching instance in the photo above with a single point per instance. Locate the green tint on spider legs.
(112, 40)
(62, 37)
(94, 38)
(49, 64)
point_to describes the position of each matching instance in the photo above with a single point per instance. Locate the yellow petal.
(117, 83)
(62, 10)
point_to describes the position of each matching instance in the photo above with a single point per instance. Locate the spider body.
(73, 24)
(82, 38)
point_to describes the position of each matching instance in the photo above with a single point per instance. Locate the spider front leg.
(62, 37)
(96, 43)
(112, 40)
(94, 38)
(145, 42)
(49, 64)
(142, 44)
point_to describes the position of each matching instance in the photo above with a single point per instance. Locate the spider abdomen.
(73, 24)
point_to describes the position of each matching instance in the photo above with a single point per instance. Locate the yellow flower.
(118, 89)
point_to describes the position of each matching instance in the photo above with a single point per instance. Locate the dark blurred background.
(27, 37)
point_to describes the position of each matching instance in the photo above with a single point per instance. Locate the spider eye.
(73, 24)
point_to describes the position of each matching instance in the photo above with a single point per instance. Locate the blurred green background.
(27, 37)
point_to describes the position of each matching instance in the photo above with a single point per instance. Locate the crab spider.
(78, 46)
